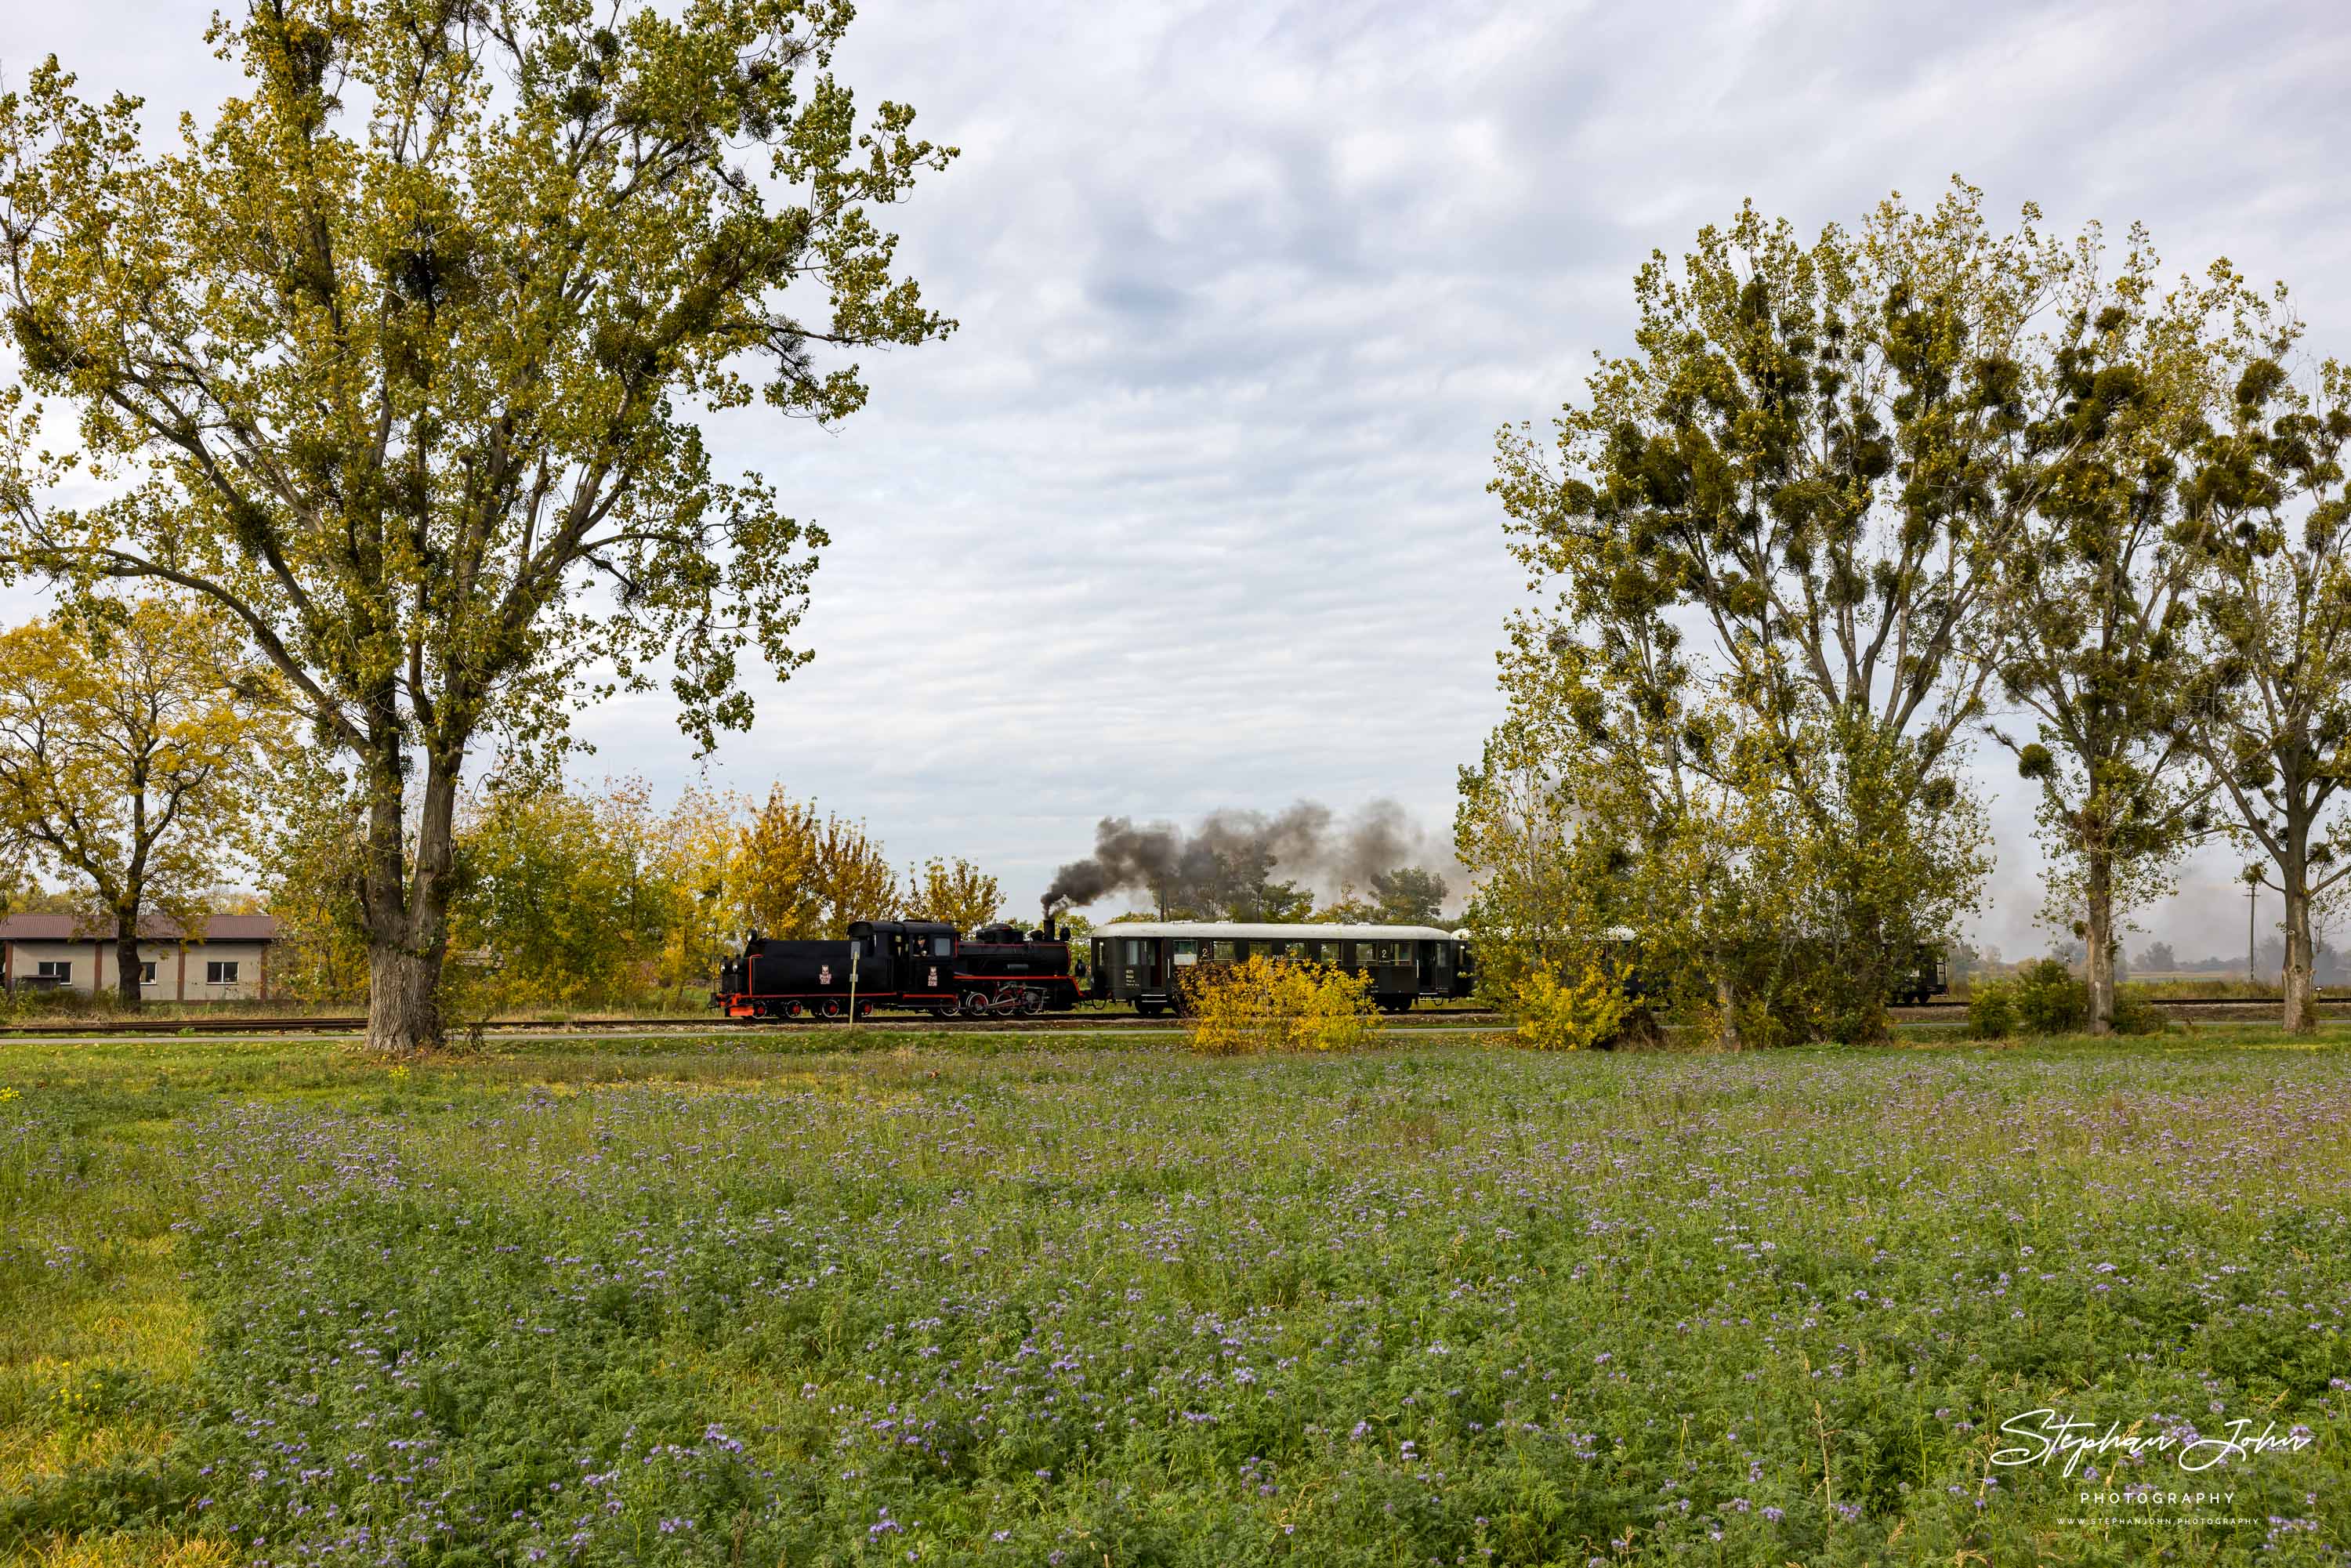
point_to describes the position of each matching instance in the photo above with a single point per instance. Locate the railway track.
(1915, 1013)
(2188, 1004)
(1058, 1023)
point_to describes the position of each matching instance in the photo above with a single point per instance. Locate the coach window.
(1224, 952)
(1187, 951)
(1133, 950)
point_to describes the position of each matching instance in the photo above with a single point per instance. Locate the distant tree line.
(570, 897)
(2329, 965)
(1852, 504)
(154, 791)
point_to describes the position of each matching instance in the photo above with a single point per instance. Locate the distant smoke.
(1217, 864)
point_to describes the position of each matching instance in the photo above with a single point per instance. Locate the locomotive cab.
(913, 959)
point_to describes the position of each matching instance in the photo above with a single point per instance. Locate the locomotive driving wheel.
(974, 1004)
(829, 1007)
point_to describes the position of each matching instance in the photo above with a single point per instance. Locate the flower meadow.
(1442, 1304)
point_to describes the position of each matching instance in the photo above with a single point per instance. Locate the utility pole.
(2252, 891)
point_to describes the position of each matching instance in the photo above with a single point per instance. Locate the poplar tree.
(2099, 647)
(2270, 519)
(957, 892)
(398, 362)
(134, 751)
(799, 875)
(1816, 455)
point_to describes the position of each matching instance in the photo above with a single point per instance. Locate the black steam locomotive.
(923, 966)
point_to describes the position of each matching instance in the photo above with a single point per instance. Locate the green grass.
(996, 1299)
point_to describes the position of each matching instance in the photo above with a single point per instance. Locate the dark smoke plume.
(1225, 863)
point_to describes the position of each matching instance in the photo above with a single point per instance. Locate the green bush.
(2135, 1014)
(1992, 1011)
(2050, 998)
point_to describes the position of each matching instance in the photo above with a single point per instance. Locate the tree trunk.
(2301, 994)
(404, 1000)
(1726, 1000)
(407, 906)
(2100, 933)
(126, 957)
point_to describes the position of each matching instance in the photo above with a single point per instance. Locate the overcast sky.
(1191, 512)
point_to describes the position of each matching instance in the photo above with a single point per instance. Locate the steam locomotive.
(923, 966)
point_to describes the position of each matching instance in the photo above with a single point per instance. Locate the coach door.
(1139, 967)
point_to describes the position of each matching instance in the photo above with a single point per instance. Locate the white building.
(229, 964)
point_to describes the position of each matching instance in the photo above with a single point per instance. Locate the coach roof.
(1233, 931)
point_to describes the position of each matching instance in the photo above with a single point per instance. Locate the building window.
(57, 969)
(217, 973)
(147, 973)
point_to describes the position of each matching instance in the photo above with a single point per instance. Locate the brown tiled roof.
(154, 928)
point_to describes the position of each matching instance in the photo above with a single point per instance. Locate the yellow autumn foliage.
(1583, 1014)
(1262, 1004)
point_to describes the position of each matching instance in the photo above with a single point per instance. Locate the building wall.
(180, 972)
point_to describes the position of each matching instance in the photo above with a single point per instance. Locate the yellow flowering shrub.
(1583, 1015)
(1287, 1005)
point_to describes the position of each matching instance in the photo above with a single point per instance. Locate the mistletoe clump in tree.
(412, 399)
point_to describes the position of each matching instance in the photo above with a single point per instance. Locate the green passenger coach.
(1142, 962)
